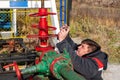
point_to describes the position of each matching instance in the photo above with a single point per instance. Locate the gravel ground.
(112, 73)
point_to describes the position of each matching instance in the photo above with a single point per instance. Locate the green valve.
(54, 64)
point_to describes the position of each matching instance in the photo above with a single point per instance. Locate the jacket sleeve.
(71, 42)
(84, 66)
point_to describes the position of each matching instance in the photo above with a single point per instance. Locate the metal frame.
(63, 21)
(31, 4)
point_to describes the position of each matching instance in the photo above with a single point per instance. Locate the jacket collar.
(92, 54)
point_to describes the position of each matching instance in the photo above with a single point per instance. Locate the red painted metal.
(53, 64)
(31, 78)
(16, 69)
(43, 27)
(43, 49)
(42, 12)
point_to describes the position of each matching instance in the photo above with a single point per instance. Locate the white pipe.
(14, 22)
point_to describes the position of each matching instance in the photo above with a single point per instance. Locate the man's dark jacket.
(85, 66)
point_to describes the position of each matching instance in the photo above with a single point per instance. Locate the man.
(87, 58)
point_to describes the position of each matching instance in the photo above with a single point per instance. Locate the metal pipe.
(60, 13)
(19, 60)
(42, 3)
(39, 68)
(69, 74)
(69, 8)
(65, 7)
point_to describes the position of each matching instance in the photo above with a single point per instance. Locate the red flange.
(42, 12)
(54, 62)
(43, 49)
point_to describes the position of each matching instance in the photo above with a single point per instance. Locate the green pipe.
(69, 74)
(39, 68)
(62, 69)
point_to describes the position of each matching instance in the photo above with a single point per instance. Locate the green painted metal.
(61, 63)
(69, 74)
(43, 66)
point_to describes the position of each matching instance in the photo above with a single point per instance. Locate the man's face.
(83, 49)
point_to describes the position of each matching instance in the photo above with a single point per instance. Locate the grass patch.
(107, 37)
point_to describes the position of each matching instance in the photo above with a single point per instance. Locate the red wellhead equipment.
(43, 27)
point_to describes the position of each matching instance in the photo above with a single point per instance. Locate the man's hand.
(64, 30)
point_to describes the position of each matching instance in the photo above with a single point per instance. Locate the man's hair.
(93, 45)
